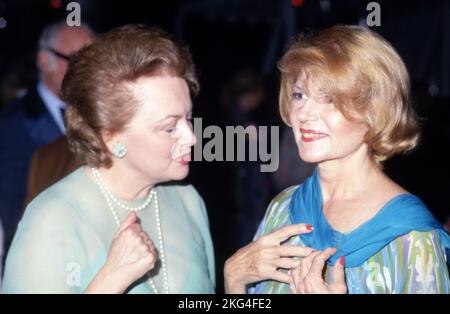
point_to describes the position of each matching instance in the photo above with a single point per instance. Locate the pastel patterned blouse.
(412, 263)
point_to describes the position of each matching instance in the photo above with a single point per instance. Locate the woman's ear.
(109, 139)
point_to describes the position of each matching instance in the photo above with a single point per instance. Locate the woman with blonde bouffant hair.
(348, 228)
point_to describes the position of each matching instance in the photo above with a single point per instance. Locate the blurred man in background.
(35, 119)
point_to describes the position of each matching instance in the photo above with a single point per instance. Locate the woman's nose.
(193, 138)
(188, 136)
(307, 111)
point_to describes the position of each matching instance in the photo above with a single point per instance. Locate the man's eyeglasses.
(59, 54)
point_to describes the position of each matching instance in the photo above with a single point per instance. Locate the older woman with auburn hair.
(110, 226)
(347, 228)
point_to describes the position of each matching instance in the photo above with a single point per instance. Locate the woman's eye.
(298, 96)
(171, 129)
(328, 99)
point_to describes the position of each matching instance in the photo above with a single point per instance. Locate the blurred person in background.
(35, 119)
(49, 164)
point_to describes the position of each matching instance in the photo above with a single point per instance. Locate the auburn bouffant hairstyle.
(97, 90)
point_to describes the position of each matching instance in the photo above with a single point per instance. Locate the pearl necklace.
(99, 178)
(152, 195)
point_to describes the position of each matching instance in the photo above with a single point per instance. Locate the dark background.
(226, 36)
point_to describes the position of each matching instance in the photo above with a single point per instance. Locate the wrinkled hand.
(262, 259)
(131, 255)
(307, 277)
(132, 252)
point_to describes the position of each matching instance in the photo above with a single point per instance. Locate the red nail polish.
(309, 227)
(342, 260)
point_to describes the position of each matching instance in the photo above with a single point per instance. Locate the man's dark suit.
(24, 126)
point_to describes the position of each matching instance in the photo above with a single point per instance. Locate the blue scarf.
(401, 215)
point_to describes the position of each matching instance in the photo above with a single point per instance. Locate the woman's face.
(159, 137)
(321, 131)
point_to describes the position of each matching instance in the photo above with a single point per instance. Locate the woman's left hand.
(307, 277)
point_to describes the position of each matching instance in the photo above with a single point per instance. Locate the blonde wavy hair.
(366, 80)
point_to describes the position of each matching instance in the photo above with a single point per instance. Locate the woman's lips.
(311, 135)
(185, 159)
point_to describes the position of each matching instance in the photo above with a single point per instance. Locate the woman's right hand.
(131, 255)
(262, 259)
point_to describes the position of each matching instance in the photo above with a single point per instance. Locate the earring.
(119, 150)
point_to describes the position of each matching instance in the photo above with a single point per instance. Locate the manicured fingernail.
(342, 260)
(309, 227)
